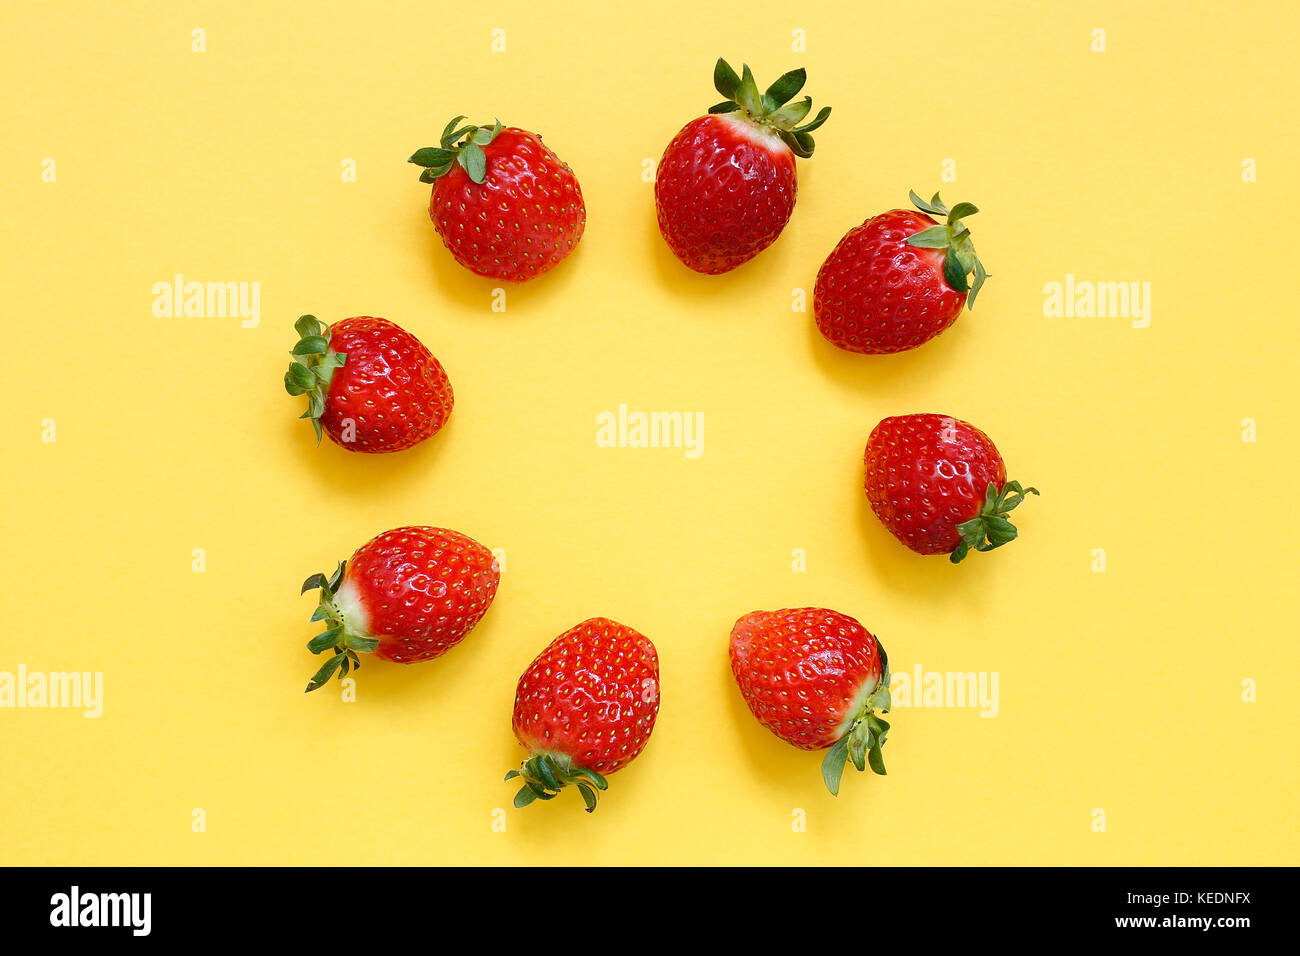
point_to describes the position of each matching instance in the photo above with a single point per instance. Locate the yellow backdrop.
(1145, 713)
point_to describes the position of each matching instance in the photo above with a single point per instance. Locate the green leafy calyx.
(990, 528)
(545, 775)
(772, 109)
(460, 145)
(959, 260)
(312, 367)
(336, 636)
(865, 737)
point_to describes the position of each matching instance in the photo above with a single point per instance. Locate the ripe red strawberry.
(726, 185)
(815, 678)
(370, 384)
(584, 709)
(407, 595)
(505, 205)
(939, 485)
(899, 279)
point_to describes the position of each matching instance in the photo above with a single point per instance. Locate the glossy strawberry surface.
(390, 394)
(419, 590)
(591, 695)
(926, 474)
(805, 673)
(724, 190)
(521, 221)
(875, 293)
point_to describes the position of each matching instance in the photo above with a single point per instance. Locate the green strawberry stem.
(459, 145)
(545, 775)
(865, 737)
(773, 108)
(959, 259)
(990, 528)
(336, 636)
(312, 367)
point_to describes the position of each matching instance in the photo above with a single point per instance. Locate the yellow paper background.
(1119, 691)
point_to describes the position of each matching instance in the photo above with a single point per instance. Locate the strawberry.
(939, 485)
(815, 678)
(899, 279)
(726, 185)
(584, 708)
(407, 595)
(371, 385)
(505, 205)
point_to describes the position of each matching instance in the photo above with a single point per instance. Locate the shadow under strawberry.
(682, 282)
(337, 469)
(781, 766)
(888, 374)
(922, 577)
(524, 300)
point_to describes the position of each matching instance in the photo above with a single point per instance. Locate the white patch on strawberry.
(355, 616)
(762, 136)
(857, 705)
